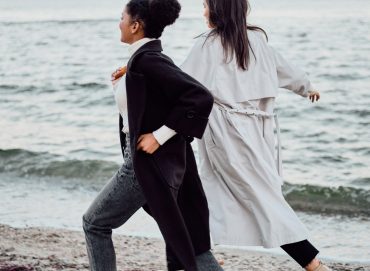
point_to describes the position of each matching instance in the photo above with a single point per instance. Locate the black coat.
(159, 93)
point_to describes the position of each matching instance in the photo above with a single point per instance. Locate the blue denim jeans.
(119, 199)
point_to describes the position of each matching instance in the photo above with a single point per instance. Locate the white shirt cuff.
(163, 134)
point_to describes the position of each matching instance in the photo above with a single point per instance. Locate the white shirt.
(119, 89)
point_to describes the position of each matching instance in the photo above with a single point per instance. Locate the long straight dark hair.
(229, 19)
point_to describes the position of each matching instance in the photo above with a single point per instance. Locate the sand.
(55, 249)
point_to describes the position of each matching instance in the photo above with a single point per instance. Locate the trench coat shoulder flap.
(191, 101)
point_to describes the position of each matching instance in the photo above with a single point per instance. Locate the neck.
(136, 38)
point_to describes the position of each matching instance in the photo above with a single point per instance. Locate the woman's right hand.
(117, 74)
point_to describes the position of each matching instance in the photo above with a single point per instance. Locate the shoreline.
(37, 248)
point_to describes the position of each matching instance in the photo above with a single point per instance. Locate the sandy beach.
(54, 249)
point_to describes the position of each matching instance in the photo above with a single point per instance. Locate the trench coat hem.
(269, 244)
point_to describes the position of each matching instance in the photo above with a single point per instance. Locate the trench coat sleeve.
(291, 77)
(191, 102)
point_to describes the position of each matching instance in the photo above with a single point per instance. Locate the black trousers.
(302, 252)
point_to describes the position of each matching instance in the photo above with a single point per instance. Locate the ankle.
(313, 265)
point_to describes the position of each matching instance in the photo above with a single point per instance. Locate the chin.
(125, 40)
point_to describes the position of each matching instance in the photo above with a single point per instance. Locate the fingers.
(145, 144)
(141, 138)
(118, 73)
(146, 148)
(141, 142)
(115, 73)
(140, 145)
(119, 70)
(116, 76)
(152, 149)
(314, 96)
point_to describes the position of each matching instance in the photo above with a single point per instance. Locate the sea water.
(59, 139)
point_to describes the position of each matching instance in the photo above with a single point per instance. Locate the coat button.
(190, 114)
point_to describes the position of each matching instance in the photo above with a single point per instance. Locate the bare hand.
(117, 74)
(314, 96)
(147, 143)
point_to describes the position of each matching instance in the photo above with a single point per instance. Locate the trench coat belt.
(252, 111)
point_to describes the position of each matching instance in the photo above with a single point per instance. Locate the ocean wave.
(8, 87)
(332, 200)
(362, 113)
(32, 164)
(343, 77)
(308, 198)
(87, 85)
(17, 88)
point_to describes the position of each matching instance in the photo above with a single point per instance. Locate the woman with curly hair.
(239, 170)
(161, 110)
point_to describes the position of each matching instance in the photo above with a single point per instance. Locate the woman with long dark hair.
(239, 170)
(161, 109)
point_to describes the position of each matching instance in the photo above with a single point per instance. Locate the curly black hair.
(154, 15)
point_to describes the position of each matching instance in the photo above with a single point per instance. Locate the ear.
(135, 28)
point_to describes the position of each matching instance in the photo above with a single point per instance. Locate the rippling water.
(59, 137)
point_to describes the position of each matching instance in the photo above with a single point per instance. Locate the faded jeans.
(119, 199)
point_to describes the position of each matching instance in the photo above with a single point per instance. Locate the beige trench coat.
(238, 163)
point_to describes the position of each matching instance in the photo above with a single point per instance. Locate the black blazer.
(159, 93)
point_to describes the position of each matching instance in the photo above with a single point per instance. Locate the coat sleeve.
(191, 102)
(291, 77)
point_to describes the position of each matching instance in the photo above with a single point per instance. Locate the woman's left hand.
(147, 143)
(314, 95)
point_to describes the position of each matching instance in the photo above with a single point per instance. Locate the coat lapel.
(136, 100)
(136, 91)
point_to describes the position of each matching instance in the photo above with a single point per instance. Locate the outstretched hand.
(147, 143)
(314, 95)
